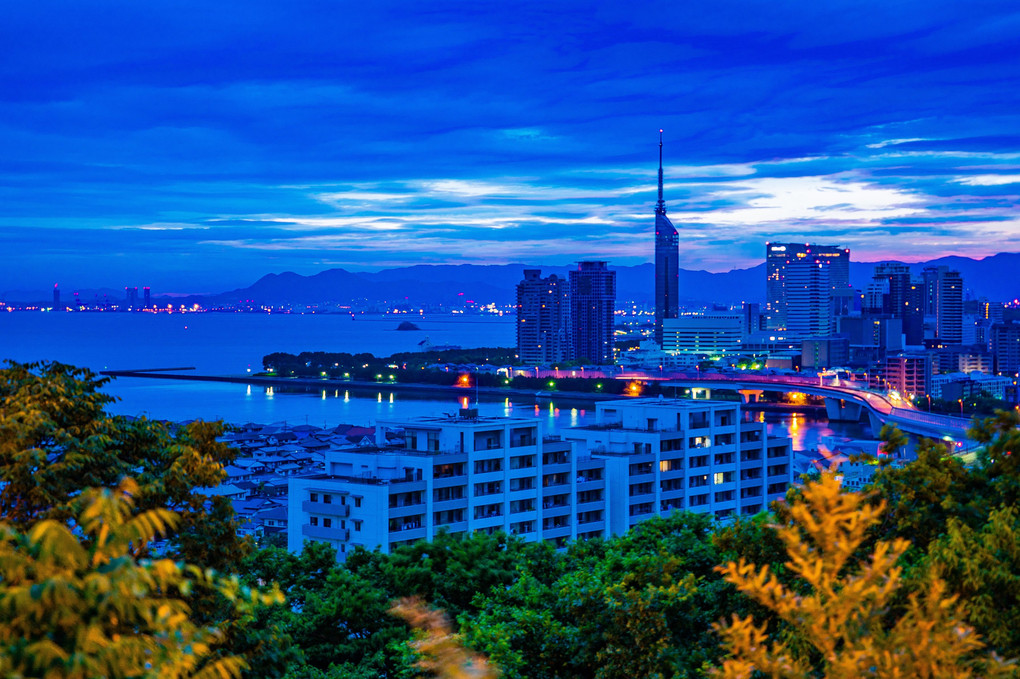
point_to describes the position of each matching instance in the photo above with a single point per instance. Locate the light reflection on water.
(239, 403)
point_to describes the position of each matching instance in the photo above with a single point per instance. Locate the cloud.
(186, 140)
(990, 180)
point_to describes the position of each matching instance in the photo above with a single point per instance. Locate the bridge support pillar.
(875, 423)
(839, 410)
(750, 395)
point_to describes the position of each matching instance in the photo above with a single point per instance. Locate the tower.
(56, 298)
(667, 256)
(543, 306)
(592, 304)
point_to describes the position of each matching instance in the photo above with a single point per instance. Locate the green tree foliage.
(86, 603)
(983, 567)
(638, 605)
(57, 440)
(841, 604)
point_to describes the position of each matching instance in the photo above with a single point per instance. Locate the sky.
(195, 146)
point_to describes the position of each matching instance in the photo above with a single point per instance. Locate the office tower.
(147, 297)
(131, 297)
(667, 261)
(1006, 348)
(815, 270)
(943, 303)
(991, 311)
(543, 319)
(807, 288)
(901, 297)
(592, 304)
(56, 298)
(751, 312)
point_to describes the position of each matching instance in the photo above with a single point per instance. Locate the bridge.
(845, 401)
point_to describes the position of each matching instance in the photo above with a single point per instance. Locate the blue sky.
(194, 146)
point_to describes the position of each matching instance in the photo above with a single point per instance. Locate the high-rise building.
(799, 281)
(752, 317)
(56, 298)
(131, 298)
(901, 297)
(667, 262)
(147, 297)
(1006, 348)
(943, 303)
(543, 318)
(592, 305)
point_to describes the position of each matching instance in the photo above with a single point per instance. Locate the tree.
(983, 567)
(840, 605)
(57, 440)
(640, 604)
(90, 605)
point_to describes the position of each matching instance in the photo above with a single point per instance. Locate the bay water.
(234, 344)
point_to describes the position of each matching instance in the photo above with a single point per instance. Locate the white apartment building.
(467, 473)
(460, 473)
(697, 455)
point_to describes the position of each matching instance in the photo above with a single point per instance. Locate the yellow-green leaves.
(840, 605)
(76, 601)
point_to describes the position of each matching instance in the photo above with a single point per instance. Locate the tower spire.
(660, 207)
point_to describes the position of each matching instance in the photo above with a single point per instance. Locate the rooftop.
(668, 403)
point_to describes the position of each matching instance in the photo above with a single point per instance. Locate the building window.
(327, 499)
(327, 522)
(722, 477)
(640, 468)
(526, 483)
(357, 524)
(487, 466)
(314, 521)
(698, 481)
(357, 501)
(314, 497)
(518, 506)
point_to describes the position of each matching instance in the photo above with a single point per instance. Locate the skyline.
(162, 143)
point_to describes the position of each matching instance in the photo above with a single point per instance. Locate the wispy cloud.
(156, 146)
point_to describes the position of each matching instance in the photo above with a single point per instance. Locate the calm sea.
(231, 344)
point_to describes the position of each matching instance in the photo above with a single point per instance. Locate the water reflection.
(238, 403)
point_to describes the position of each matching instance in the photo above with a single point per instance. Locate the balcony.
(322, 533)
(333, 509)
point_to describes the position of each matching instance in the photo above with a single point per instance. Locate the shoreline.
(308, 383)
(358, 385)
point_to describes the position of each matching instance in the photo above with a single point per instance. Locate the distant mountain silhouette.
(994, 277)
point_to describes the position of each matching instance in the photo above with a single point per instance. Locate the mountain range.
(994, 278)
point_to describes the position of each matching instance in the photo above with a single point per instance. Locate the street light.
(929, 402)
(960, 401)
